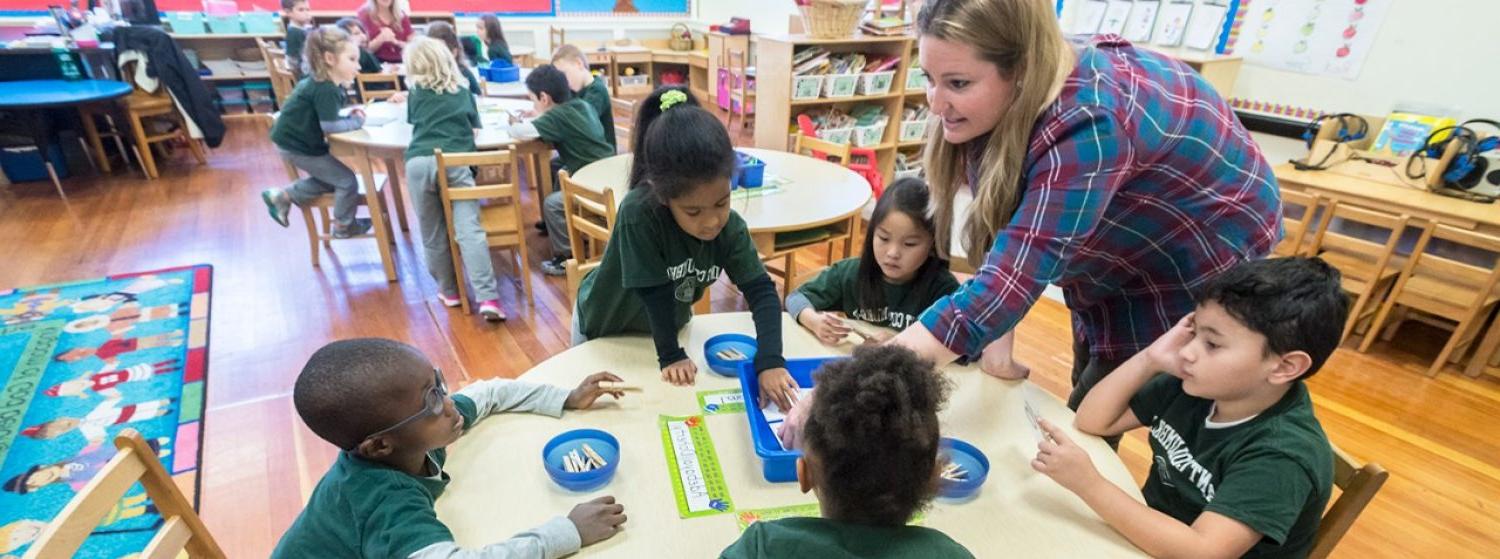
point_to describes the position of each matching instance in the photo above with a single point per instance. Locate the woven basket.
(833, 19)
(680, 42)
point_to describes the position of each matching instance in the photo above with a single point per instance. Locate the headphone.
(1467, 168)
(1352, 127)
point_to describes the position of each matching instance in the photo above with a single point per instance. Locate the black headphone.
(1352, 127)
(1467, 168)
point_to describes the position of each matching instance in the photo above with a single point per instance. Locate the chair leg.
(312, 234)
(393, 176)
(1375, 327)
(1486, 351)
(1356, 312)
(51, 172)
(194, 146)
(142, 149)
(1456, 341)
(327, 225)
(91, 133)
(525, 271)
(459, 274)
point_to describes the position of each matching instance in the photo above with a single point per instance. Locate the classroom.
(749, 278)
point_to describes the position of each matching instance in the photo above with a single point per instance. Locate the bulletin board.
(507, 7)
(1205, 25)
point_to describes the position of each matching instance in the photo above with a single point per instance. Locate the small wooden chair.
(281, 77)
(1357, 487)
(591, 219)
(499, 213)
(142, 107)
(390, 84)
(1447, 288)
(181, 532)
(1368, 268)
(321, 230)
(556, 37)
(624, 118)
(741, 95)
(1306, 207)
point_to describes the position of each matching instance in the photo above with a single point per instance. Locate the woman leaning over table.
(388, 27)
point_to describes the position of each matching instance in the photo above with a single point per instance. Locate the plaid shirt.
(1140, 183)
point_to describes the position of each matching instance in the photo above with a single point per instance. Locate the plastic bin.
(187, 23)
(869, 136)
(632, 81)
(837, 135)
(806, 87)
(499, 72)
(916, 79)
(24, 163)
(261, 22)
(777, 465)
(750, 172)
(840, 85)
(876, 83)
(225, 25)
(913, 130)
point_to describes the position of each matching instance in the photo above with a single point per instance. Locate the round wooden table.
(387, 134)
(499, 487)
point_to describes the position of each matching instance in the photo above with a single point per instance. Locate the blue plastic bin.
(777, 465)
(750, 172)
(24, 163)
(500, 72)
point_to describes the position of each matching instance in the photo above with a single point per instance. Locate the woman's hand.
(826, 326)
(777, 385)
(997, 359)
(680, 373)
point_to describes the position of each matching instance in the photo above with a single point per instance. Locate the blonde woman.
(388, 27)
(444, 116)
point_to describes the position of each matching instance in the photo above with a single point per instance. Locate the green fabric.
(1274, 473)
(443, 121)
(648, 249)
(368, 64)
(297, 128)
(597, 96)
(573, 129)
(474, 49)
(831, 539)
(367, 509)
(473, 81)
(499, 51)
(837, 287)
(296, 38)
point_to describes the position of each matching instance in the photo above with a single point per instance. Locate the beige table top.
(395, 132)
(509, 90)
(499, 487)
(816, 192)
(1412, 200)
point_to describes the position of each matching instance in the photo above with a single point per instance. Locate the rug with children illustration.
(82, 361)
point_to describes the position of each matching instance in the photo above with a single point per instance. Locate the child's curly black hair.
(873, 431)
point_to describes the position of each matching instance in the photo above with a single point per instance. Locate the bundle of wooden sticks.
(732, 354)
(578, 462)
(953, 472)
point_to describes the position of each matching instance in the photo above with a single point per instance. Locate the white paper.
(774, 412)
(1203, 30)
(1142, 21)
(1172, 24)
(1115, 17)
(1311, 36)
(1090, 15)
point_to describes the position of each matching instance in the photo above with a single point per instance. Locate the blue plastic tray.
(603, 443)
(725, 367)
(749, 172)
(971, 460)
(777, 465)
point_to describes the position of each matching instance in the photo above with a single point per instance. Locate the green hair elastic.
(672, 98)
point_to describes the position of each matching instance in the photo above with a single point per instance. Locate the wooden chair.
(741, 95)
(281, 77)
(499, 213)
(389, 84)
(1297, 228)
(143, 108)
(591, 219)
(1368, 268)
(181, 532)
(556, 37)
(320, 228)
(624, 118)
(1453, 290)
(88, 114)
(1357, 487)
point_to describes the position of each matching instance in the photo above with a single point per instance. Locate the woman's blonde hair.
(430, 65)
(1022, 39)
(325, 40)
(398, 9)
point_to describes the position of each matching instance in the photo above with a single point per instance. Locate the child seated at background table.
(299, 21)
(898, 275)
(870, 455)
(570, 125)
(368, 64)
(1241, 465)
(310, 112)
(443, 31)
(490, 44)
(389, 411)
(592, 90)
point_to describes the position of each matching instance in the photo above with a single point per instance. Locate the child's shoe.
(490, 310)
(278, 204)
(360, 226)
(557, 266)
(449, 302)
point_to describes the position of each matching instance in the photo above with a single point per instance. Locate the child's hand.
(826, 326)
(777, 385)
(358, 113)
(1164, 353)
(597, 520)
(680, 373)
(1063, 460)
(398, 97)
(589, 391)
(791, 429)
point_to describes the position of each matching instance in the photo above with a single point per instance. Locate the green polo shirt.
(443, 121)
(368, 64)
(596, 94)
(573, 128)
(469, 77)
(1274, 473)
(837, 289)
(296, 38)
(647, 249)
(831, 539)
(297, 128)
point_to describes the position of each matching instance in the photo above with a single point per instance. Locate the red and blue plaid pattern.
(1140, 184)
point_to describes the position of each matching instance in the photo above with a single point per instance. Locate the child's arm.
(1156, 533)
(505, 395)
(660, 304)
(1105, 411)
(803, 305)
(555, 538)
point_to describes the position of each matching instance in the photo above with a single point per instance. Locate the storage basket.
(832, 19)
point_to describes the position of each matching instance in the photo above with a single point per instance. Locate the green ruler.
(716, 402)
(697, 481)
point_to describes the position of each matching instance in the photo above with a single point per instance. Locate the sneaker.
(490, 310)
(557, 266)
(449, 302)
(278, 204)
(540, 226)
(360, 226)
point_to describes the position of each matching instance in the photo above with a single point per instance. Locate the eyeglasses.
(433, 404)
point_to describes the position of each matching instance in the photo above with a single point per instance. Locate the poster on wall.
(1172, 23)
(1115, 17)
(625, 7)
(506, 7)
(1141, 21)
(1090, 17)
(1320, 37)
(1203, 30)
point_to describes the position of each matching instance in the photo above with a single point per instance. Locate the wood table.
(499, 487)
(386, 135)
(1413, 200)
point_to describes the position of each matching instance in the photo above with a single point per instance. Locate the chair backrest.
(1480, 279)
(136, 461)
(501, 216)
(363, 81)
(1379, 253)
(738, 66)
(281, 82)
(819, 148)
(1305, 207)
(556, 37)
(591, 218)
(1357, 486)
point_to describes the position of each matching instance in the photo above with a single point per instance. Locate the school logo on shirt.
(684, 290)
(897, 320)
(1178, 456)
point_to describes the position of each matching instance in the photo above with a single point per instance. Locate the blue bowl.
(971, 460)
(728, 367)
(500, 72)
(749, 172)
(603, 443)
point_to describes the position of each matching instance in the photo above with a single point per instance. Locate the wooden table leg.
(1481, 357)
(392, 174)
(377, 216)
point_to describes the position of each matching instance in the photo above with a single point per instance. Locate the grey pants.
(325, 173)
(556, 218)
(1088, 370)
(421, 180)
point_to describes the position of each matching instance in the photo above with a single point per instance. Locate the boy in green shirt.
(298, 19)
(871, 457)
(385, 405)
(570, 125)
(368, 64)
(1242, 466)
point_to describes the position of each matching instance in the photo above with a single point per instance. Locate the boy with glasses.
(390, 412)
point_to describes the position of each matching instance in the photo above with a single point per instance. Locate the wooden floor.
(271, 309)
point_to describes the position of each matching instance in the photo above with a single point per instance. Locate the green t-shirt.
(469, 77)
(573, 129)
(367, 509)
(297, 128)
(443, 121)
(831, 539)
(473, 48)
(647, 249)
(837, 287)
(597, 96)
(296, 38)
(499, 51)
(368, 64)
(1273, 473)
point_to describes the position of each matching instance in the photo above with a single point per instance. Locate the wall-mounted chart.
(1203, 30)
(1115, 17)
(1321, 37)
(1172, 23)
(1142, 20)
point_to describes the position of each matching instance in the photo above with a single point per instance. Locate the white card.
(1032, 416)
(1090, 15)
(1115, 17)
(1203, 30)
(1142, 21)
(1173, 24)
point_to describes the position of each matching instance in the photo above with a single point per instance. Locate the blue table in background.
(30, 99)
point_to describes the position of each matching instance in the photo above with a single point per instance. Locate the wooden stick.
(621, 386)
(594, 456)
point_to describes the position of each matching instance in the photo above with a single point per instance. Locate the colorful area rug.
(81, 362)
